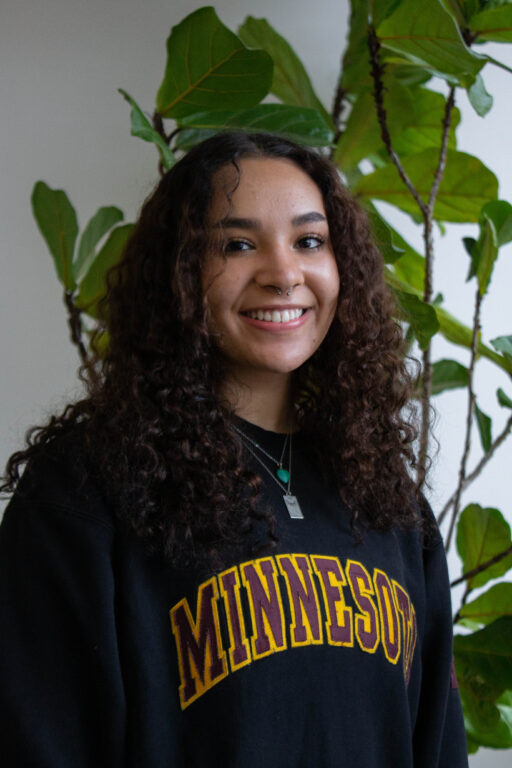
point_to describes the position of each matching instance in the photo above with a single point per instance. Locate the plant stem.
(428, 217)
(482, 567)
(337, 109)
(479, 467)
(469, 418)
(75, 325)
(377, 72)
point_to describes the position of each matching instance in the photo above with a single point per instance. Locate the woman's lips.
(276, 320)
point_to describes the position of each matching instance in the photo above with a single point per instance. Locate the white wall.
(64, 122)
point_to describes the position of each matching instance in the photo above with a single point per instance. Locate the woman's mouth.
(275, 315)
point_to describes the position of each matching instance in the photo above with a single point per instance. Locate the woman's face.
(272, 287)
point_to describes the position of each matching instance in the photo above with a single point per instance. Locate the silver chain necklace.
(291, 501)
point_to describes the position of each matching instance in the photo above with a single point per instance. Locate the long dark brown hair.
(171, 463)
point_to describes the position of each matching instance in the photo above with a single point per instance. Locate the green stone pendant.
(283, 474)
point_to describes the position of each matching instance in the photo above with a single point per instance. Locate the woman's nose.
(280, 268)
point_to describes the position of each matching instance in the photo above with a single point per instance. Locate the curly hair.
(173, 466)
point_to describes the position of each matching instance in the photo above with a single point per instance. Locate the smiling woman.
(219, 556)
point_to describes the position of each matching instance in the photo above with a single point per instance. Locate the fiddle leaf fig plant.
(393, 135)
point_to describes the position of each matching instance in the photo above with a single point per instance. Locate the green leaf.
(482, 534)
(480, 99)
(362, 135)
(208, 67)
(93, 286)
(493, 604)
(384, 238)
(142, 129)
(493, 25)
(291, 82)
(503, 344)
(422, 317)
(483, 254)
(103, 220)
(504, 399)
(486, 724)
(425, 124)
(466, 186)
(484, 427)
(451, 328)
(489, 652)
(500, 213)
(425, 34)
(56, 219)
(448, 374)
(305, 126)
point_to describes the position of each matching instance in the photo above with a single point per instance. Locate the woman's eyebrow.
(236, 222)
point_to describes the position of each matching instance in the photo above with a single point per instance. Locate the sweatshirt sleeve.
(61, 692)
(439, 736)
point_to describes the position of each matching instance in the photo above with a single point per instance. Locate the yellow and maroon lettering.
(390, 629)
(201, 660)
(239, 649)
(265, 606)
(306, 621)
(332, 581)
(404, 607)
(367, 621)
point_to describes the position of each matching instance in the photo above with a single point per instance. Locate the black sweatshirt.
(326, 653)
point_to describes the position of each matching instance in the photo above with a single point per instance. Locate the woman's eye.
(311, 242)
(234, 246)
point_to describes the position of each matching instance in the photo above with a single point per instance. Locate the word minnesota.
(268, 605)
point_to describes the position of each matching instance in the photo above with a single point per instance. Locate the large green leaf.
(483, 533)
(424, 126)
(208, 67)
(302, 125)
(484, 423)
(489, 652)
(494, 25)
(142, 128)
(56, 219)
(486, 717)
(384, 237)
(493, 604)
(448, 374)
(291, 82)
(421, 317)
(484, 253)
(466, 186)
(362, 135)
(103, 220)
(500, 213)
(425, 34)
(93, 286)
(451, 328)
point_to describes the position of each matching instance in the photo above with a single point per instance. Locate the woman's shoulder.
(61, 476)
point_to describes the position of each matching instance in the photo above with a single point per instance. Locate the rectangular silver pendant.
(293, 507)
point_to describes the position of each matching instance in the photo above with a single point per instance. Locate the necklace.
(282, 473)
(291, 501)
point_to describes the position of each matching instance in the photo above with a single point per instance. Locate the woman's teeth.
(275, 316)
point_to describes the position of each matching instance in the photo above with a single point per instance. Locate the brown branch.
(482, 567)
(469, 418)
(428, 289)
(479, 467)
(75, 325)
(377, 72)
(337, 109)
(447, 119)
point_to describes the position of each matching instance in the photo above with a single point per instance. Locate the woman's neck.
(264, 401)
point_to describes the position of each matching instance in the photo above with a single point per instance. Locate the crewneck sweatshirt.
(323, 652)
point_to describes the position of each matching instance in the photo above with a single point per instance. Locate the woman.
(218, 557)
